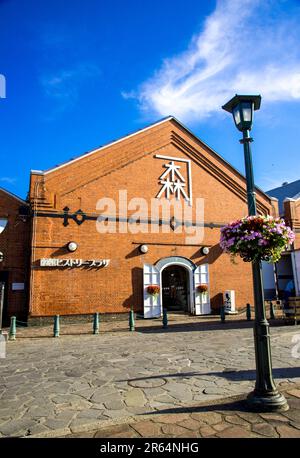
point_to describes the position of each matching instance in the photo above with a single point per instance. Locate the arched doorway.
(175, 288)
(189, 276)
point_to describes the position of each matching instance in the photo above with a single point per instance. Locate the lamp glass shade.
(247, 111)
(236, 115)
(242, 115)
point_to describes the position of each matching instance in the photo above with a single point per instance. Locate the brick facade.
(130, 164)
(292, 218)
(15, 246)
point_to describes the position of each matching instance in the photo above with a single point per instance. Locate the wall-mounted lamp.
(72, 246)
(143, 249)
(3, 224)
(23, 213)
(1, 256)
(205, 250)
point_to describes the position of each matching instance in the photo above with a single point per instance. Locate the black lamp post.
(265, 396)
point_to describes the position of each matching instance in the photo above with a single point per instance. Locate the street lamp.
(265, 396)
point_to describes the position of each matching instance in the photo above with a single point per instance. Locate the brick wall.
(292, 217)
(15, 246)
(131, 165)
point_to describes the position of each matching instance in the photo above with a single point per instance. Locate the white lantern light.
(143, 249)
(242, 108)
(205, 250)
(72, 246)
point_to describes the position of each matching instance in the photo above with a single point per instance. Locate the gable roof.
(106, 145)
(287, 190)
(150, 126)
(13, 196)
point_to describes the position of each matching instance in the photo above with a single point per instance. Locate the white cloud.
(65, 86)
(66, 83)
(2, 87)
(245, 46)
(9, 180)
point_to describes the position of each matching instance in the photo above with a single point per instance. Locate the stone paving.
(83, 382)
(226, 419)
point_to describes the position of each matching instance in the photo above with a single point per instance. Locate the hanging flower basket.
(256, 238)
(153, 290)
(202, 289)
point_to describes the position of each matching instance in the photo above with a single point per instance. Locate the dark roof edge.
(219, 156)
(167, 118)
(13, 196)
(106, 145)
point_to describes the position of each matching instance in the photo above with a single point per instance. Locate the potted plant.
(202, 289)
(153, 290)
(256, 238)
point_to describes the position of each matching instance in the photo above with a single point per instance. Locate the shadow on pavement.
(235, 375)
(203, 326)
(230, 374)
(239, 405)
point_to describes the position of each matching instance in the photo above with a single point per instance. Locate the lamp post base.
(267, 402)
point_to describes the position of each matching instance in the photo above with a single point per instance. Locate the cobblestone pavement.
(83, 382)
(226, 419)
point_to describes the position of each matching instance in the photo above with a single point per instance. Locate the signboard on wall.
(56, 262)
(229, 301)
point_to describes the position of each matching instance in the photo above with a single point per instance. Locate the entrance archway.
(175, 288)
(195, 303)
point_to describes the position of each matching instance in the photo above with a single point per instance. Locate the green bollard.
(248, 312)
(131, 320)
(13, 328)
(165, 318)
(96, 323)
(272, 314)
(222, 313)
(56, 326)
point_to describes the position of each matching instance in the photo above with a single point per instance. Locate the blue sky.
(81, 73)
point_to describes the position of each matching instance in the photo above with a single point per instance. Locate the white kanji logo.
(172, 182)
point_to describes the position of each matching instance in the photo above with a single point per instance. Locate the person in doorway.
(289, 291)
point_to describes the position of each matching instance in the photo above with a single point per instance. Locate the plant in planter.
(153, 290)
(256, 238)
(202, 289)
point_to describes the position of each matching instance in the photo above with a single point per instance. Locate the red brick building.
(14, 255)
(77, 270)
(292, 216)
(108, 272)
(277, 279)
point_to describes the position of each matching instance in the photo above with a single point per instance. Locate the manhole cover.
(74, 373)
(147, 383)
